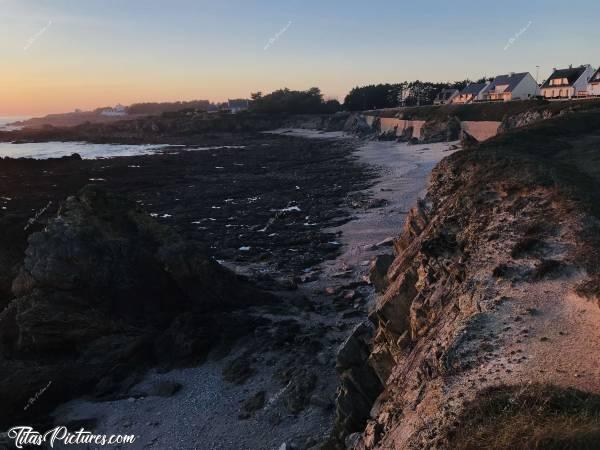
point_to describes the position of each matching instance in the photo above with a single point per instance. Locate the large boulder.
(105, 291)
(441, 130)
(357, 124)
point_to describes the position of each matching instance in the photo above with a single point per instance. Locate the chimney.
(570, 66)
(554, 69)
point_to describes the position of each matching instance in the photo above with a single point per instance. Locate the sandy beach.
(204, 412)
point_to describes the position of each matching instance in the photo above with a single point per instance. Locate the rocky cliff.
(492, 299)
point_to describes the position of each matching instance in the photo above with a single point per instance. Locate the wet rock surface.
(289, 347)
(107, 291)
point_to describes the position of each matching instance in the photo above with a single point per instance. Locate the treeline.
(311, 101)
(294, 102)
(154, 108)
(378, 96)
(375, 96)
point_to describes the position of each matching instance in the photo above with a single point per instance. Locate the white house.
(238, 105)
(473, 92)
(445, 96)
(594, 85)
(513, 86)
(568, 83)
(118, 110)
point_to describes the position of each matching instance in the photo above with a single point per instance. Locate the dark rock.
(100, 293)
(378, 271)
(254, 403)
(441, 130)
(297, 395)
(164, 389)
(467, 141)
(360, 385)
(238, 370)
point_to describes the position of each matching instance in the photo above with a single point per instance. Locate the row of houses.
(574, 82)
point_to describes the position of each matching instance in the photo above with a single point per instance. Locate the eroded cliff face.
(485, 290)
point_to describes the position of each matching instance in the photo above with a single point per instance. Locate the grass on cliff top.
(534, 417)
(560, 154)
(484, 111)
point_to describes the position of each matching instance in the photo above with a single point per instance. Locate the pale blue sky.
(86, 53)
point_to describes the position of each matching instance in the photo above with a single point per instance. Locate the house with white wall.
(473, 92)
(568, 83)
(118, 110)
(594, 84)
(445, 96)
(513, 86)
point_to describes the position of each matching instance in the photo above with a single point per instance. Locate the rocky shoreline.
(277, 222)
(492, 294)
(230, 294)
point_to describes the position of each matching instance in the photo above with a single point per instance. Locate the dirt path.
(284, 394)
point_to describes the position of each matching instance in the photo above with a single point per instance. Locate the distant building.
(568, 83)
(445, 96)
(238, 105)
(594, 84)
(118, 110)
(403, 95)
(473, 92)
(513, 86)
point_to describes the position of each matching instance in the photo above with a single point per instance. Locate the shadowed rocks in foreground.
(104, 292)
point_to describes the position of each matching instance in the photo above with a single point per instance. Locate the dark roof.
(473, 88)
(445, 94)
(238, 103)
(596, 77)
(512, 80)
(572, 75)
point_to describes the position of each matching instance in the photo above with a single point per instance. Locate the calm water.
(45, 150)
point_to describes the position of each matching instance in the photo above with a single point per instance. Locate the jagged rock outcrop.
(467, 141)
(488, 266)
(378, 271)
(523, 119)
(359, 384)
(105, 291)
(357, 124)
(441, 130)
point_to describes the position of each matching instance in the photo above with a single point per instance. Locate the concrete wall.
(389, 123)
(481, 130)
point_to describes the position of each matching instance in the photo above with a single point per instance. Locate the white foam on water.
(46, 150)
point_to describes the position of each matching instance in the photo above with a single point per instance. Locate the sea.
(47, 150)
(5, 120)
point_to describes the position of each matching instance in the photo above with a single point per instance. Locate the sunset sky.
(58, 55)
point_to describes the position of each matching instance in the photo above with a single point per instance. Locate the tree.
(294, 102)
(373, 97)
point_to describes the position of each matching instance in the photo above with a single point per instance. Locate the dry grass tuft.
(537, 417)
